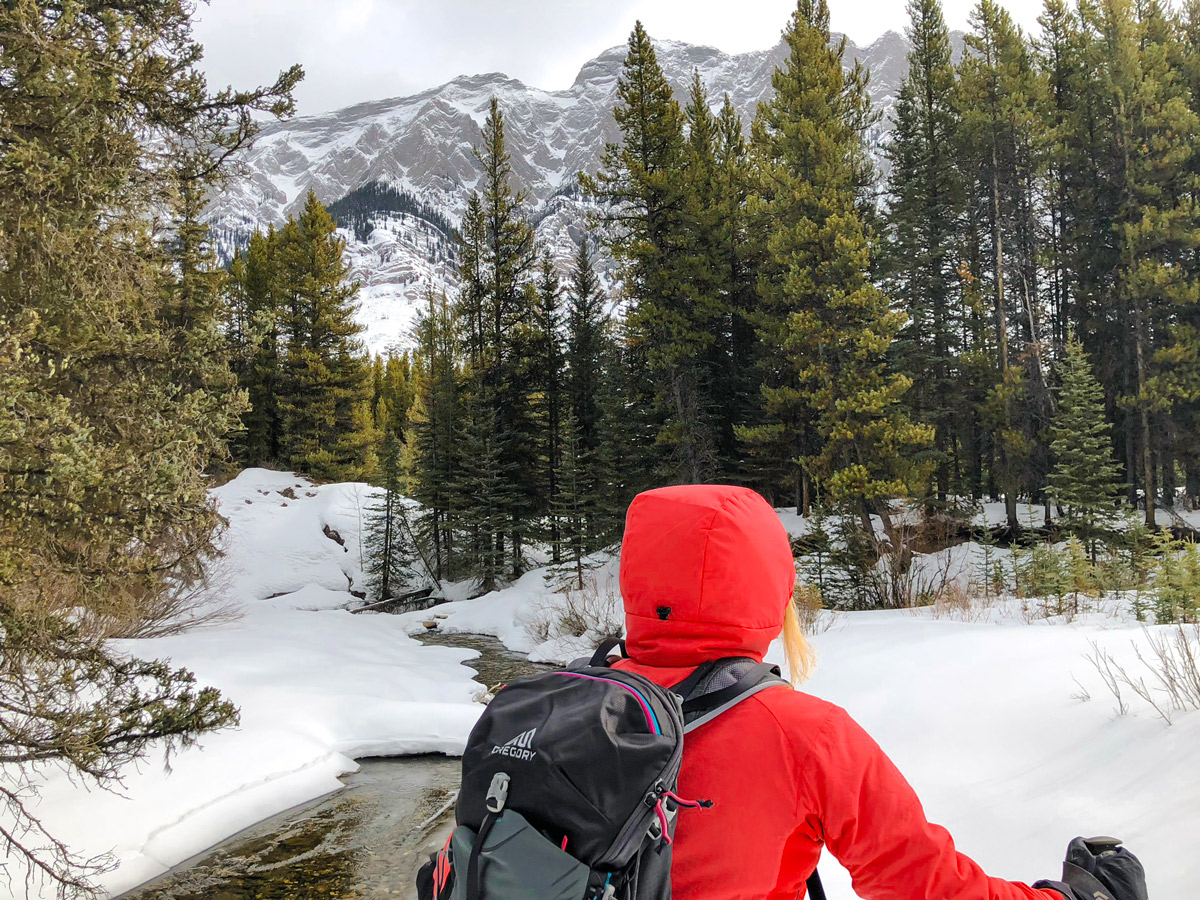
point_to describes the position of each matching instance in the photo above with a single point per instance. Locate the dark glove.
(1099, 869)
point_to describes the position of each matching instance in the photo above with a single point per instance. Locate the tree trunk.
(1166, 458)
(1144, 415)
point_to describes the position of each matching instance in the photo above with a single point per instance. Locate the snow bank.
(317, 687)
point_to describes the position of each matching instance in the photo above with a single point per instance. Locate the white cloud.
(357, 50)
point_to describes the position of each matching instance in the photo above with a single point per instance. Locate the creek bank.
(364, 841)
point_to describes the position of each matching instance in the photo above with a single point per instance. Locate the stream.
(365, 841)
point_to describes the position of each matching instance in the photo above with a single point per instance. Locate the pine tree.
(255, 338)
(999, 97)
(834, 406)
(325, 389)
(548, 387)
(925, 191)
(115, 390)
(643, 187)
(387, 537)
(1085, 478)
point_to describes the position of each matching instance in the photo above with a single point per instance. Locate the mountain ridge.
(422, 144)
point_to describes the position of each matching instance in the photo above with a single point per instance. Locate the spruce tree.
(115, 391)
(500, 390)
(325, 389)
(834, 406)
(548, 386)
(601, 421)
(1085, 477)
(569, 504)
(434, 453)
(643, 187)
(736, 261)
(999, 97)
(586, 321)
(255, 338)
(925, 193)
(387, 537)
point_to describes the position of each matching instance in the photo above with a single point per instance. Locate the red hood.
(706, 572)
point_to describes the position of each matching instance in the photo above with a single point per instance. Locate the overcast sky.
(355, 50)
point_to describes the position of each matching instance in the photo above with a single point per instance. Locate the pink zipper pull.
(662, 823)
(690, 804)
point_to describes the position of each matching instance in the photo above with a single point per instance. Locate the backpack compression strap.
(600, 657)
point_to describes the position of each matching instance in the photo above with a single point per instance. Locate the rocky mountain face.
(422, 145)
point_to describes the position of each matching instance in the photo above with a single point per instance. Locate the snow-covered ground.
(982, 712)
(317, 688)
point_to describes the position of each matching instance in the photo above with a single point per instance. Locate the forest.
(1010, 312)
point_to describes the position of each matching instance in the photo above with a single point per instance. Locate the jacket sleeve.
(869, 817)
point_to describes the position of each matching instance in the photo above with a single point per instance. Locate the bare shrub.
(1173, 666)
(593, 611)
(959, 600)
(1111, 674)
(905, 580)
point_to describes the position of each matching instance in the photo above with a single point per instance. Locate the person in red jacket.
(706, 573)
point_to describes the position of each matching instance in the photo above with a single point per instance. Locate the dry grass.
(810, 608)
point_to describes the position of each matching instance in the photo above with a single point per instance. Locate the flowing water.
(365, 841)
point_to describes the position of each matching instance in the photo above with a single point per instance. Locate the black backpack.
(568, 783)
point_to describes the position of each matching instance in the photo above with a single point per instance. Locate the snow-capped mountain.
(422, 146)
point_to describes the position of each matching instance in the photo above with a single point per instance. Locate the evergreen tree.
(548, 386)
(999, 100)
(834, 406)
(643, 188)
(1084, 480)
(325, 389)
(387, 537)
(486, 488)
(736, 262)
(501, 401)
(569, 506)
(1130, 139)
(255, 337)
(586, 322)
(115, 389)
(435, 449)
(925, 191)
(602, 423)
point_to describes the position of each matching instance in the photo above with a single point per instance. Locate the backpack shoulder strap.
(699, 709)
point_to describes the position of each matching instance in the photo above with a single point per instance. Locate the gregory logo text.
(518, 747)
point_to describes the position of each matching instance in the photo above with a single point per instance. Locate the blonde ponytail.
(801, 659)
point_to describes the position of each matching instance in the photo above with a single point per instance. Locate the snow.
(980, 708)
(317, 688)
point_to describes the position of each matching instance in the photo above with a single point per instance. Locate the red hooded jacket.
(706, 572)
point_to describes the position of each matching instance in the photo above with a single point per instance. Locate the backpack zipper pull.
(690, 804)
(497, 794)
